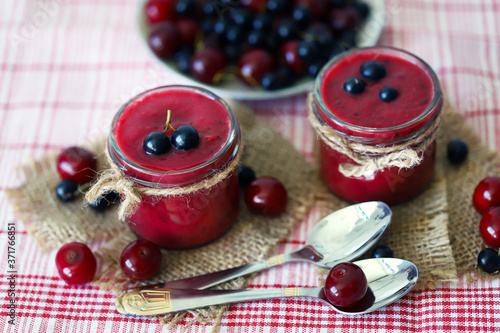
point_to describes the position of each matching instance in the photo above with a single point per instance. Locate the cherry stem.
(224, 74)
(169, 125)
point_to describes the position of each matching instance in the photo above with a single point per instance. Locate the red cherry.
(164, 39)
(342, 19)
(489, 227)
(345, 285)
(77, 164)
(188, 29)
(288, 54)
(207, 62)
(256, 6)
(254, 64)
(159, 10)
(76, 263)
(267, 196)
(487, 194)
(140, 260)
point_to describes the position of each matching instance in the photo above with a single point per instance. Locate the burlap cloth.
(438, 230)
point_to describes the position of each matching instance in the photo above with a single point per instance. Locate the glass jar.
(187, 218)
(363, 126)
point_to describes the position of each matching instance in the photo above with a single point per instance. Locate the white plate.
(368, 35)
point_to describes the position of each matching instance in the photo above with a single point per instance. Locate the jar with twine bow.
(180, 199)
(370, 149)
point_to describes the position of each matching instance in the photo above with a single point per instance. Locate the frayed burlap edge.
(462, 179)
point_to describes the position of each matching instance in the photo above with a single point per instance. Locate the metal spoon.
(339, 237)
(388, 280)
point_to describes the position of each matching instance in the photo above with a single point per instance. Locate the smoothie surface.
(148, 113)
(414, 85)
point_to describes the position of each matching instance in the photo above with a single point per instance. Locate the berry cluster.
(370, 71)
(266, 43)
(77, 166)
(263, 195)
(76, 264)
(486, 200)
(185, 137)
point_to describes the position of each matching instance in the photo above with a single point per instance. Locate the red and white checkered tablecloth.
(65, 67)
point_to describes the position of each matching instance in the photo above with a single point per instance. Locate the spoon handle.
(157, 301)
(212, 279)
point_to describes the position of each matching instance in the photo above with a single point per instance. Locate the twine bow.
(113, 179)
(369, 159)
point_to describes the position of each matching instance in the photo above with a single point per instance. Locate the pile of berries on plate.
(265, 43)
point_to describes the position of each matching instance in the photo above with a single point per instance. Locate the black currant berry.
(257, 38)
(382, 251)
(314, 68)
(241, 17)
(354, 86)
(156, 143)
(388, 94)
(288, 29)
(372, 70)
(185, 137)
(302, 15)
(104, 202)
(362, 8)
(457, 151)
(488, 260)
(308, 51)
(67, 190)
(185, 8)
(262, 22)
(246, 175)
(183, 59)
(277, 6)
(271, 81)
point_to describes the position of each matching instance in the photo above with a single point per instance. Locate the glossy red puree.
(148, 113)
(414, 86)
(366, 119)
(186, 220)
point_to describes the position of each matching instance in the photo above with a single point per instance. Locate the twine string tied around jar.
(370, 158)
(114, 179)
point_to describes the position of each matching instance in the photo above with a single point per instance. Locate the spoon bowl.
(388, 280)
(338, 237)
(349, 232)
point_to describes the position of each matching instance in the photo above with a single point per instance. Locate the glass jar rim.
(436, 99)
(234, 134)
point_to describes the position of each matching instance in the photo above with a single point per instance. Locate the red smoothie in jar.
(188, 219)
(364, 118)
